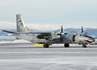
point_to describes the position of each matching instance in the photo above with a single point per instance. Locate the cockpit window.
(85, 35)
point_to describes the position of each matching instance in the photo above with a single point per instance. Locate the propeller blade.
(82, 29)
(61, 29)
(61, 36)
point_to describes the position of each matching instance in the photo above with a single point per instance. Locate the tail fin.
(20, 24)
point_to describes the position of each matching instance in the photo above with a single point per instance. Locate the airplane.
(48, 38)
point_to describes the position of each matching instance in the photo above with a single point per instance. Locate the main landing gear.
(46, 46)
(66, 45)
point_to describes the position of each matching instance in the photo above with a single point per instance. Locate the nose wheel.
(84, 46)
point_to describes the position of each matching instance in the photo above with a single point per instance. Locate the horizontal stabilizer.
(8, 31)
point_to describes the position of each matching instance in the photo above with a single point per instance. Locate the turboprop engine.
(42, 36)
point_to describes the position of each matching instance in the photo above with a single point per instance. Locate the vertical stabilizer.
(20, 24)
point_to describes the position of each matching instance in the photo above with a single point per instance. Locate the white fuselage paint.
(66, 39)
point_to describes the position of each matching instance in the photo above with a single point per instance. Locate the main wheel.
(66, 45)
(46, 46)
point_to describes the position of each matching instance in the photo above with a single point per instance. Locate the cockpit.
(84, 35)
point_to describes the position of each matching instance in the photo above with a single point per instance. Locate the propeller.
(61, 29)
(61, 34)
(82, 29)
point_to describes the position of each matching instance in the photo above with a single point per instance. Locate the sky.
(49, 14)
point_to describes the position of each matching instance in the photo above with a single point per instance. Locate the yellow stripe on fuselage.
(38, 44)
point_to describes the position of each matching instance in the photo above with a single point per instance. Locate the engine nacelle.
(42, 36)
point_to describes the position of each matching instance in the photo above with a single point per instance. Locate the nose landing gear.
(84, 46)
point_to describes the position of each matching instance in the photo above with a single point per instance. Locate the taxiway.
(25, 56)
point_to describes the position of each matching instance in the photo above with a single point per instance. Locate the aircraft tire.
(84, 46)
(66, 45)
(46, 46)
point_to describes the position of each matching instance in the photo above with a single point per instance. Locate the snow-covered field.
(25, 56)
(16, 41)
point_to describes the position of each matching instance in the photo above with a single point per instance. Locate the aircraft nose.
(90, 40)
(93, 40)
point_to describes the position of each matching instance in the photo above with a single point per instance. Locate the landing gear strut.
(46, 46)
(66, 45)
(84, 46)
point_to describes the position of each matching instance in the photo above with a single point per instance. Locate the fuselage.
(54, 38)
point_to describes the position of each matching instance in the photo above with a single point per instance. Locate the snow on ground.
(95, 40)
(16, 41)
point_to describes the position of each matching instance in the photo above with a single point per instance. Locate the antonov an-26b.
(48, 38)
